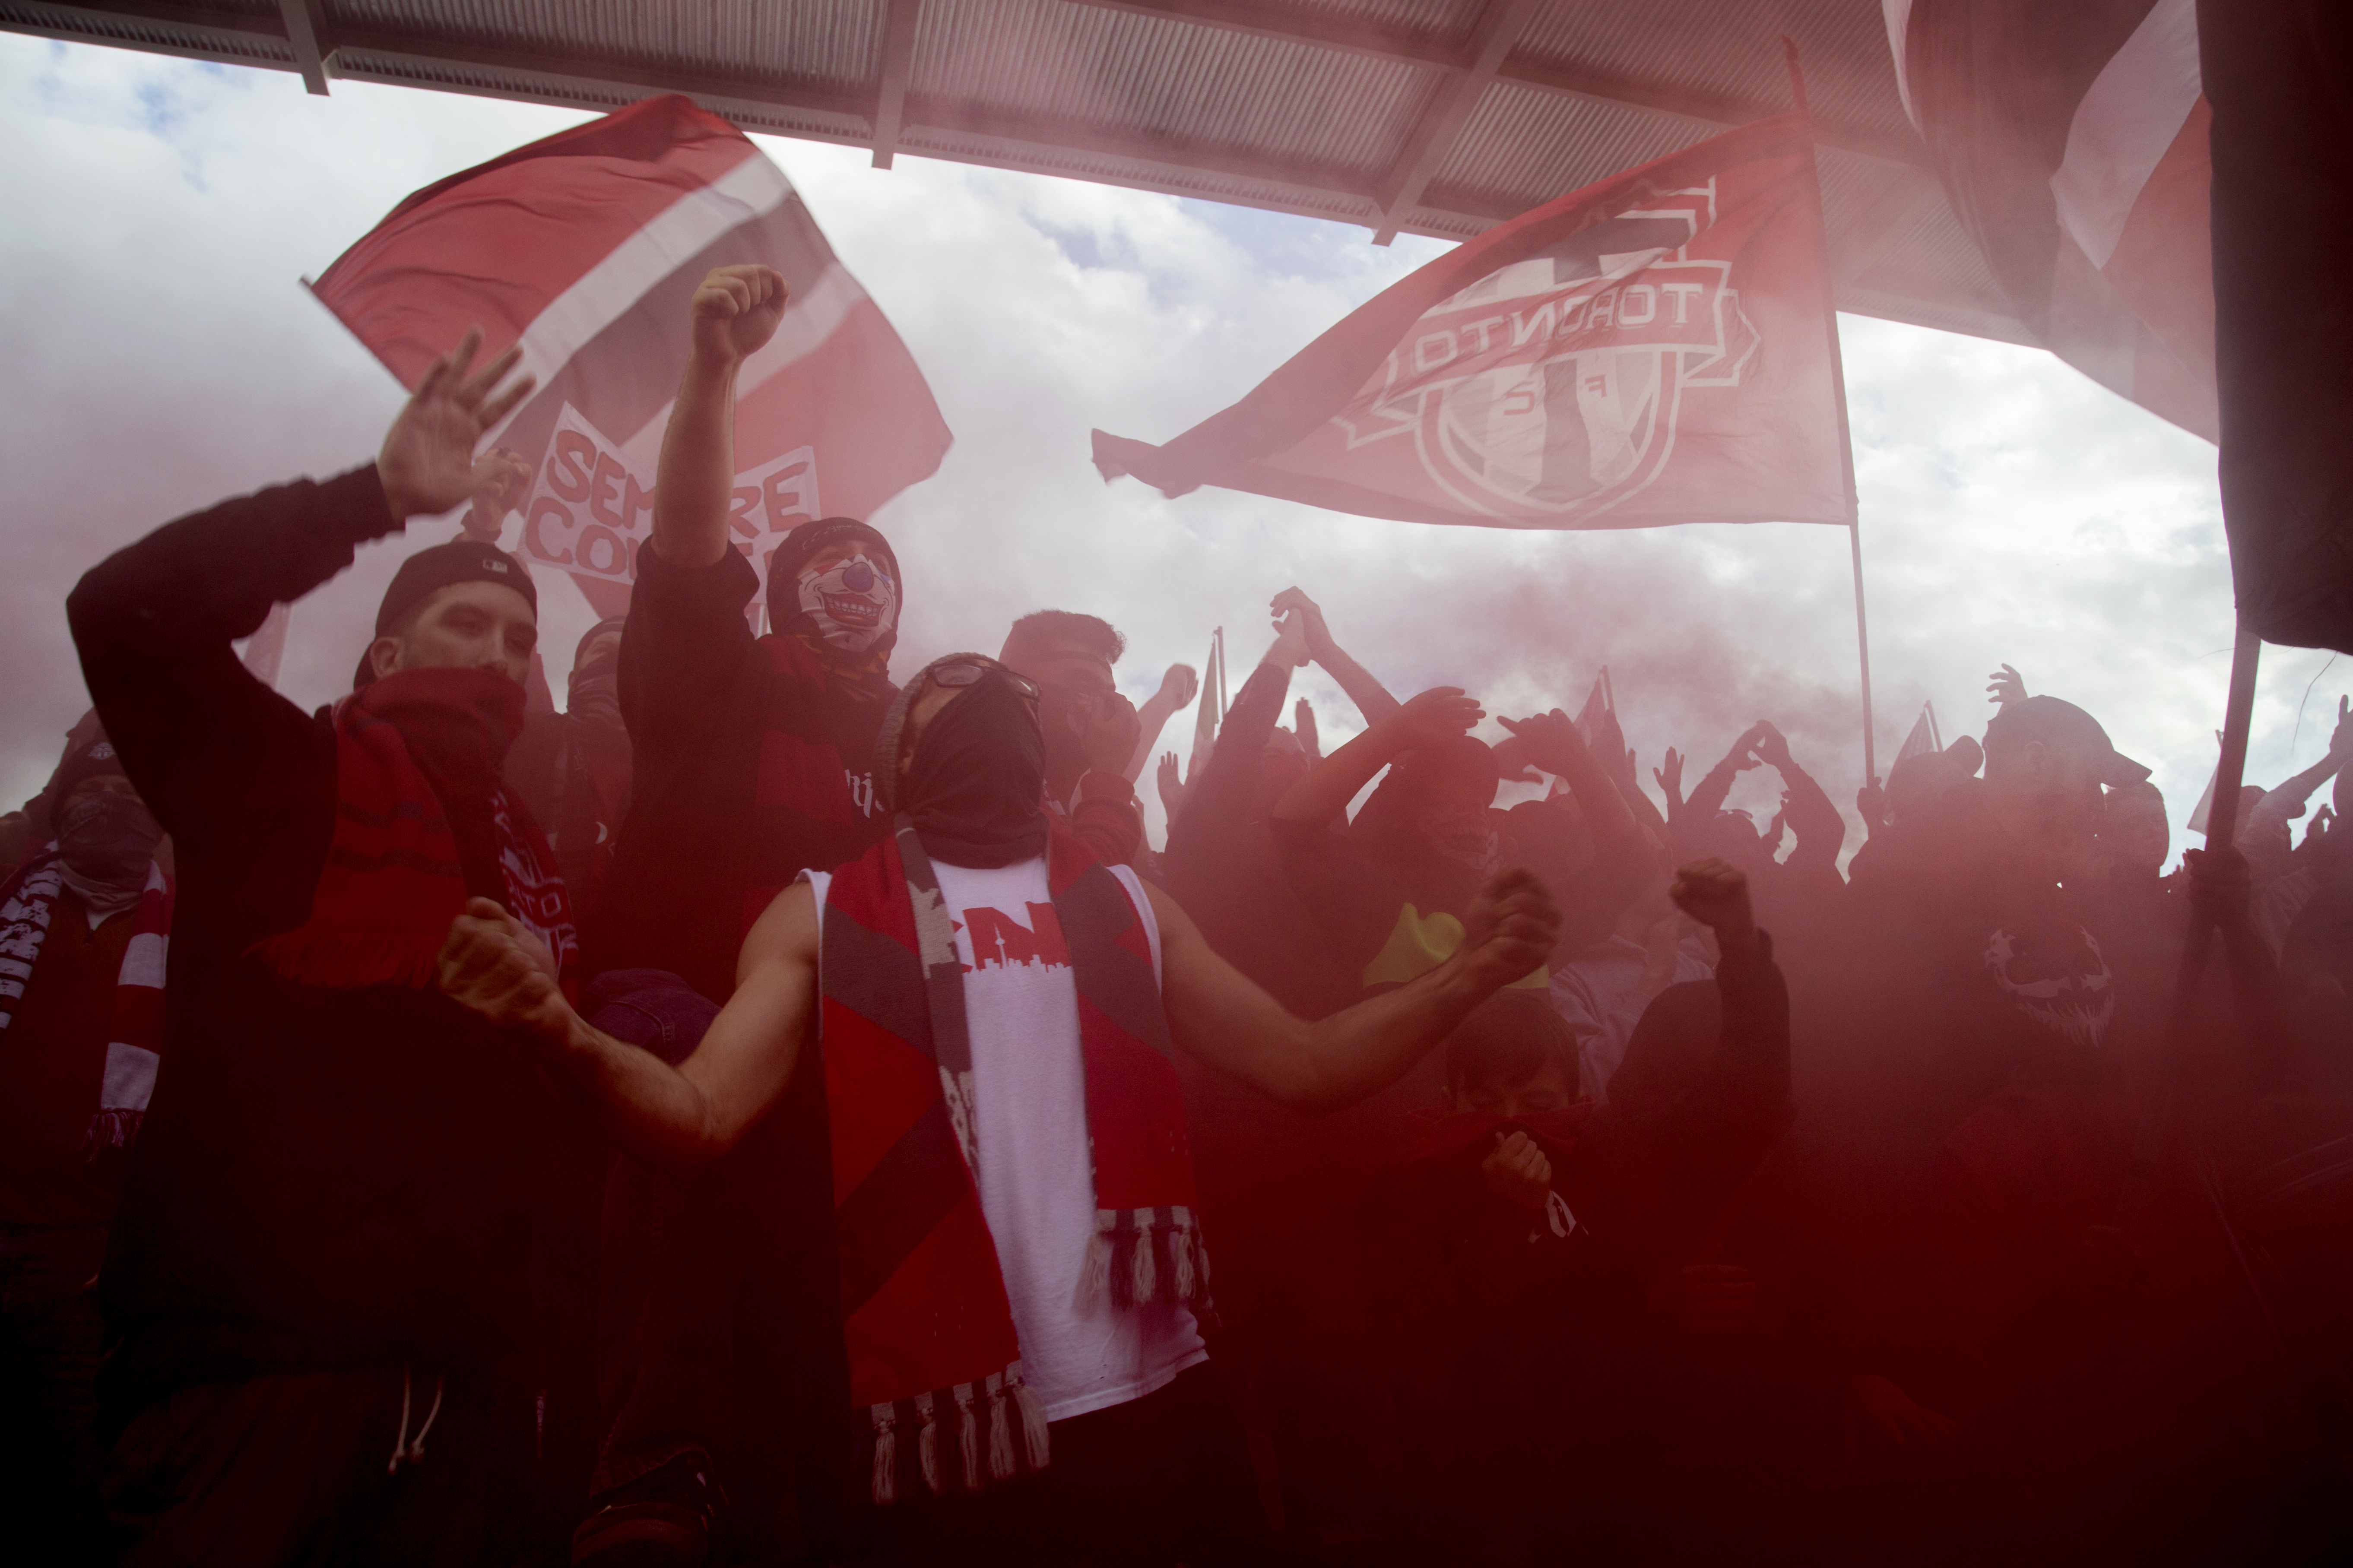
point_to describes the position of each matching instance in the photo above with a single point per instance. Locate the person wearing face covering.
(83, 924)
(750, 764)
(316, 1268)
(1017, 1239)
(751, 752)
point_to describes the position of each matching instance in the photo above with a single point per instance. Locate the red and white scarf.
(929, 1329)
(135, 1031)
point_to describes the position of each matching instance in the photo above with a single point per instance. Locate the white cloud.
(163, 355)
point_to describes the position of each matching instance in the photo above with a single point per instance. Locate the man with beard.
(82, 929)
(751, 752)
(314, 1269)
(1016, 1228)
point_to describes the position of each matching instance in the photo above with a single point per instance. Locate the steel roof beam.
(1448, 112)
(898, 18)
(301, 20)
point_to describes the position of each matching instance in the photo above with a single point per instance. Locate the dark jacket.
(753, 762)
(325, 1177)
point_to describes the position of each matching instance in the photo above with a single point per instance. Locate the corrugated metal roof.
(1370, 111)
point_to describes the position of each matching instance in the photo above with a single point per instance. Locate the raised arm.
(1371, 697)
(1820, 828)
(734, 312)
(1177, 685)
(1553, 744)
(1437, 714)
(2286, 802)
(1219, 1016)
(1218, 795)
(685, 1115)
(1706, 797)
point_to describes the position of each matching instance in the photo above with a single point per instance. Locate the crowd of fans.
(442, 1128)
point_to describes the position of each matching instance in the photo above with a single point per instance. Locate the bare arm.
(1820, 828)
(1222, 1017)
(684, 1115)
(1371, 697)
(734, 311)
(1434, 715)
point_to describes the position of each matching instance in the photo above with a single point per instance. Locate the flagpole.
(1846, 440)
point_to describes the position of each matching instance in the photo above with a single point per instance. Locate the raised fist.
(1509, 929)
(502, 974)
(1517, 1171)
(735, 310)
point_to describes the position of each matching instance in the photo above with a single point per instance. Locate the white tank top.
(1036, 1178)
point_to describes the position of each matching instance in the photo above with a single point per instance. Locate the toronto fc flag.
(2072, 140)
(1657, 347)
(585, 247)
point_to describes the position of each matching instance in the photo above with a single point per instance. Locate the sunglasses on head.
(969, 673)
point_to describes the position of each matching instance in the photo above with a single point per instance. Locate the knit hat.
(460, 561)
(784, 562)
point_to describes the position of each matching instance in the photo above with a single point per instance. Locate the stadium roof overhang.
(1435, 117)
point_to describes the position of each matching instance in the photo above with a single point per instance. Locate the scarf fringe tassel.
(1146, 1255)
(111, 1130)
(1008, 1401)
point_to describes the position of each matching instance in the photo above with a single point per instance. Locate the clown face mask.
(853, 603)
(2053, 972)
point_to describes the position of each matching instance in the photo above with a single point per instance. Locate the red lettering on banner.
(570, 483)
(532, 541)
(741, 504)
(605, 491)
(614, 552)
(783, 493)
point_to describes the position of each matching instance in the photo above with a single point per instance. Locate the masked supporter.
(751, 752)
(1092, 730)
(573, 768)
(83, 925)
(1516, 1252)
(314, 1269)
(1019, 1254)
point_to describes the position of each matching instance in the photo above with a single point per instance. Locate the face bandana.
(2053, 972)
(106, 842)
(976, 786)
(852, 603)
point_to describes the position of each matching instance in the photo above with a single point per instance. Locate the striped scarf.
(135, 1033)
(929, 1330)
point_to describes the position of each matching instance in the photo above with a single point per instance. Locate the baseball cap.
(2063, 726)
(460, 561)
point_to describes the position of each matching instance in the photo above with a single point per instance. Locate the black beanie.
(460, 561)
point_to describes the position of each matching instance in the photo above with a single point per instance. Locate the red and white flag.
(584, 249)
(1657, 347)
(2072, 140)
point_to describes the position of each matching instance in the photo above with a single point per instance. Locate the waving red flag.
(585, 247)
(1657, 347)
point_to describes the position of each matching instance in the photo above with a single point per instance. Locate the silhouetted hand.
(1290, 651)
(2008, 687)
(1881, 1418)
(1702, 1299)
(1172, 786)
(1292, 602)
(426, 464)
(1772, 748)
(1110, 730)
(1179, 684)
(1508, 930)
(1512, 764)
(1871, 801)
(2220, 885)
(2340, 742)
(735, 310)
(1517, 1171)
(502, 974)
(1715, 893)
(1671, 779)
(1550, 741)
(508, 489)
(1436, 716)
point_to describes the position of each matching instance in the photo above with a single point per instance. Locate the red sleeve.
(1107, 818)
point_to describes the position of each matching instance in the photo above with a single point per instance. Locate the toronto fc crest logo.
(1555, 383)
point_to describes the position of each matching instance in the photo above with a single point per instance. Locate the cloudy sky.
(160, 352)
